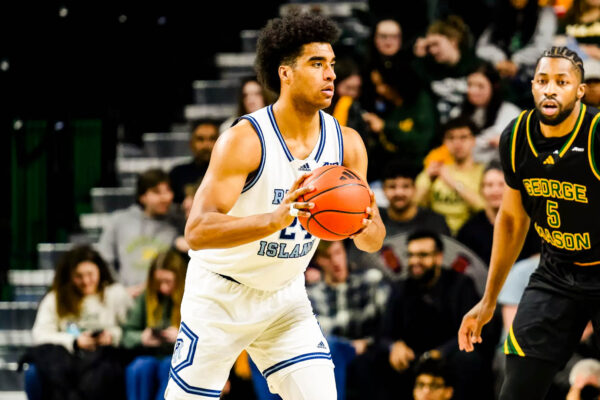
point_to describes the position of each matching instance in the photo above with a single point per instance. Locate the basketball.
(340, 197)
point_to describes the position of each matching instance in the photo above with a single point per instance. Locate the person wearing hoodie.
(134, 236)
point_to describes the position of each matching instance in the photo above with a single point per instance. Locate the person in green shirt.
(406, 129)
(152, 327)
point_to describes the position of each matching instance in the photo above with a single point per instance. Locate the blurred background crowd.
(111, 112)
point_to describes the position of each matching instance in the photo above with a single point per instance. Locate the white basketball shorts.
(220, 318)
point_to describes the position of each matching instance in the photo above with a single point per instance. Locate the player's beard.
(563, 113)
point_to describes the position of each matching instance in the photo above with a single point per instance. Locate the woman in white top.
(485, 106)
(82, 314)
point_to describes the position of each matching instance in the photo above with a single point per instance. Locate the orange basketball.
(341, 198)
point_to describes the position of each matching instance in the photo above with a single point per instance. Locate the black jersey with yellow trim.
(559, 181)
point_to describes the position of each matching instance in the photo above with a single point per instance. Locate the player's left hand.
(366, 221)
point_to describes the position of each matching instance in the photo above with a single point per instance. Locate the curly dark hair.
(281, 41)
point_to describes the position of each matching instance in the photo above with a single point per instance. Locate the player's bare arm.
(236, 154)
(370, 237)
(510, 229)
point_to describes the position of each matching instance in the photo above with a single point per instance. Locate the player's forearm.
(213, 230)
(372, 238)
(509, 236)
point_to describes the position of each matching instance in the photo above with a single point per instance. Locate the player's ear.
(581, 90)
(285, 73)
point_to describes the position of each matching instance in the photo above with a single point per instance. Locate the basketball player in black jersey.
(550, 156)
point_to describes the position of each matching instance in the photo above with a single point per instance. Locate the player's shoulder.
(591, 113)
(239, 147)
(351, 138)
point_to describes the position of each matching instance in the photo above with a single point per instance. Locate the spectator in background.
(477, 233)
(592, 84)
(77, 324)
(251, 97)
(433, 380)
(345, 106)
(403, 214)
(453, 189)
(152, 326)
(348, 306)
(386, 52)
(202, 140)
(422, 318)
(484, 105)
(585, 380)
(519, 34)
(581, 25)
(134, 236)
(444, 60)
(406, 129)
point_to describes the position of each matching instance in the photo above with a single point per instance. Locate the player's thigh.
(548, 326)
(216, 326)
(201, 361)
(310, 383)
(293, 342)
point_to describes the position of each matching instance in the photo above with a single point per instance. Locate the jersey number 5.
(553, 215)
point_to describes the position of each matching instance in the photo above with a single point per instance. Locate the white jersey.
(273, 261)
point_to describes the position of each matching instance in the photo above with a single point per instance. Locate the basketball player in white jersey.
(245, 282)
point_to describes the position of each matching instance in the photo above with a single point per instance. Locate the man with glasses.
(433, 380)
(422, 316)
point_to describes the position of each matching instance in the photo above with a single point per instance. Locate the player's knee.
(310, 383)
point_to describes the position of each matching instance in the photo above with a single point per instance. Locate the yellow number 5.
(553, 215)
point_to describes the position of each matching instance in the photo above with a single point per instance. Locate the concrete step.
(167, 144)
(16, 316)
(50, 253)
(215, 91)
(105, 200)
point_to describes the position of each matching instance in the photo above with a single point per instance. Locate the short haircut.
(204, 121)
(324, 246)
(566, 53)
(493, 164)
(400, 169)
(426, 234)
(453, 27)
(281, 41)
(459, 122)
(436, 367)
(149, 179)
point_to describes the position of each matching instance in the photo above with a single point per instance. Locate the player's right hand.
(472, 323)
(282, 215)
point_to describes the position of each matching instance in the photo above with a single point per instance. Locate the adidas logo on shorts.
(321, 345)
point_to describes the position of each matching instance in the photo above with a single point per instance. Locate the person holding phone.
(152, 327)
(76, 328)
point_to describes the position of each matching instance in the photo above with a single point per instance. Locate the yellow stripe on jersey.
(590, 146)
(529, 135)
(575, 132)
(513, 140)
(514, 342)
(587, 264)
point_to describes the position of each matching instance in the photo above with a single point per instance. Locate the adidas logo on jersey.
(578, 149)
(304, 167)
(321, 345)
(549, 160)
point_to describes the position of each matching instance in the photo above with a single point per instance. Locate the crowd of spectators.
(430, 108)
